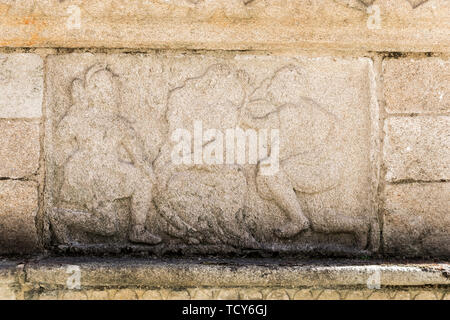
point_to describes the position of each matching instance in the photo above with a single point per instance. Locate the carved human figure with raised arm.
(102, 159)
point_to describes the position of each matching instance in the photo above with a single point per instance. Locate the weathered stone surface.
(232, 293)
(417, 219)
(303, 294)
(152, 295)
(127, 273)
(110, 140)
(417, 85)
(6, 293)
(250, 294)
(98, 295)
(199, 294)
(125, 294)
(74, 295)
(278, 294)
(19, 148)
(18, 209)
(329, 294)
(417, 148)
(425, 295)
(362, 294)
(393, 25)
(21, 85)
(52, 295)
(8, 277)
(220, 279)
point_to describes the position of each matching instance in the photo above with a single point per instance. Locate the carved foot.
(139, 234)
(292, 228)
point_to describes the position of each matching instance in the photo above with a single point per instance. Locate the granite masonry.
(181, 128)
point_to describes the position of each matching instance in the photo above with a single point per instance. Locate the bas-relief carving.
(108, 188)
(102, 159)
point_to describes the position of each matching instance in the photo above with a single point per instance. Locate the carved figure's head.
(99, 89)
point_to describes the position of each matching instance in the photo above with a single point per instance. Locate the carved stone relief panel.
(211, 152)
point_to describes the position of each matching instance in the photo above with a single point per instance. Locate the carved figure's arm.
(65, 140)
(133, 147)
(257, 114)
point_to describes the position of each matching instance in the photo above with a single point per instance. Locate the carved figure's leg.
(102, 221)
(105, 219)
(141, 206)
(280, 189)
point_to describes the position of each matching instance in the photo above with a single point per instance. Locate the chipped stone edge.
(175, 274)
(49, 276)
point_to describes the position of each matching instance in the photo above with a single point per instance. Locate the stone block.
(417, 219)
(384, 25)
(18, 209)
(21, 85)
(19, 148)
(416, 85)
(417, 148)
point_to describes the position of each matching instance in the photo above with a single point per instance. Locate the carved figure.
(309, 155)
(203, 202)
(103, 160)
(306, 162)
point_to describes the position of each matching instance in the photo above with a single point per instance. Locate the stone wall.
(92, 94)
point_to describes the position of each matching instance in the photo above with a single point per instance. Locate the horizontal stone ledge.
(9, 273)
(125, 273)
(389, 25)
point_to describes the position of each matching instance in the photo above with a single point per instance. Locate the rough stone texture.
(417, 219)
(21, 85)
(111, 180)
(237, 273)
(6, 293)
(223, 24)
(19, 148)
(133, 279)
(417, 86)
(238, 293)
(417, 148)
(18, 209)
(8, 280)
(312, 69)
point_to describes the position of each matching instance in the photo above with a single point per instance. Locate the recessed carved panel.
(115, 122)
